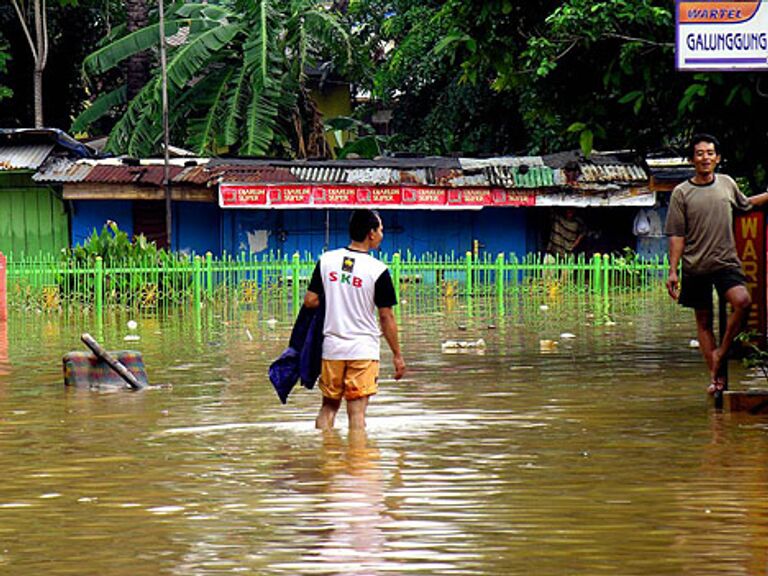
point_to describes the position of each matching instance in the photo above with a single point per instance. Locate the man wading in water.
(700, 229)
(354, 284)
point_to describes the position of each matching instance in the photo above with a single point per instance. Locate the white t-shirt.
(354, 284)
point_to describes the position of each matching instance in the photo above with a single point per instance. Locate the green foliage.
(753, 355)
(114, 247)
(234, 77)
(5, 92)
(362, 141)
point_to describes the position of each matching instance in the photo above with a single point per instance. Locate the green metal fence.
(50, 284)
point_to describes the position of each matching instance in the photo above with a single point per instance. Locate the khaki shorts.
(350, 379)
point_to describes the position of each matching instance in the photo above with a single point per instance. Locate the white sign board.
(714, 35)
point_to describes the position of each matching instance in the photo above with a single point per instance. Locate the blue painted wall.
(90, 215)
(196, 227)
(202, 227)
(289, 231)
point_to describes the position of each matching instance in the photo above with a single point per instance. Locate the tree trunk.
(137, 66)
(38, 96)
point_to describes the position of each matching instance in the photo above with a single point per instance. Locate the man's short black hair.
(361, 222)
(703, 137)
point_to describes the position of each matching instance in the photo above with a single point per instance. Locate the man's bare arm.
(676, 247)
(758, 199)
(389, 329)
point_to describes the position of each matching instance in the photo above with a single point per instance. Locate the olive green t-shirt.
(703, 215)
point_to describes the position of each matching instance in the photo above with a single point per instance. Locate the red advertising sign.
(340, 196)
(290, 195)
(750, 243)
(233, 195)
(500, 197)
(423, 196)
(334, 195)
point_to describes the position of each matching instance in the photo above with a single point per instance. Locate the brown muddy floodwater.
(596, 455)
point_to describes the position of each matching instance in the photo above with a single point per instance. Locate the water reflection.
(350, 514)
(599, 455)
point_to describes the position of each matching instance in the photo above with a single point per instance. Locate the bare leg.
(327, 414)
(356, 413)
(740, 301)
(706, 335)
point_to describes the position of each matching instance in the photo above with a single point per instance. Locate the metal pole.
(166, 130)
(722, 321)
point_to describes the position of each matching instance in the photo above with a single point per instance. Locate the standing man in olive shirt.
(700, 229)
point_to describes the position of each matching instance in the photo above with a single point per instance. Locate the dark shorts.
(696, 289)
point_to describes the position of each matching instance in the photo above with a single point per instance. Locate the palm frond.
(212, 94)
(210, 11)
(186, 62)
(238, 105)
(328, 28)
(99, 108)
(262, 119)
(112, 54)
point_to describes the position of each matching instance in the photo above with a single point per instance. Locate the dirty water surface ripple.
(566, 438)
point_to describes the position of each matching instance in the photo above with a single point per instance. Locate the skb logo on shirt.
(355, 281)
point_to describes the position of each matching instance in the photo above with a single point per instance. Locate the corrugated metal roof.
(611, 173)
(24, 156)
(510, 173)
(153, 175)
(325, 174)
(62, 170)
(193, 175)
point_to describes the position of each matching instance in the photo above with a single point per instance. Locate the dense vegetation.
(459, 77)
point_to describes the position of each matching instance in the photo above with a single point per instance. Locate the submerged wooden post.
(722, 321)
(112, 362)
(3, 288)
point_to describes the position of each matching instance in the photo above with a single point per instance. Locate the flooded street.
(577, 440)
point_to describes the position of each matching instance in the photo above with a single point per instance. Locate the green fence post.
(98, 287)
(468, 266)
(209, 275)
(295, 283)
(595, 281)
(197, 281)
(396, 274)
(606, 274)
(500, 282)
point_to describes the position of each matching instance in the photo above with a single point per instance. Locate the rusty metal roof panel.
(153, 175)
(249, 173)
(374, 176)
(611, 173)
(24, 156)
(322, 174)
(113, 174)
(193, 175)
(62, 170)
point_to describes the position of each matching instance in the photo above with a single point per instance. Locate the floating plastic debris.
(453, 346)
(548, 345)
(693, 343)
(543, 307)
(567, 335)
(271, 323)
(248, 333)
(132, 324)
(131, 337)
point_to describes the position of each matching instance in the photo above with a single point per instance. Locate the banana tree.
(236, 73)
